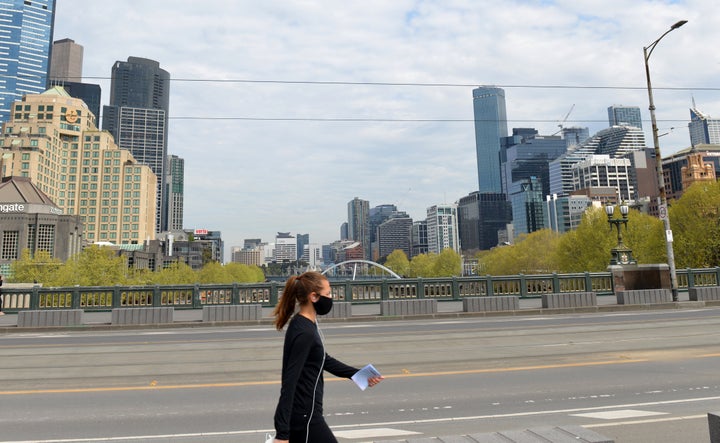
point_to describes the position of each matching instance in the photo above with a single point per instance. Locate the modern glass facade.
(703, 129)
(619, 115)
(26, 35)
(490, 127)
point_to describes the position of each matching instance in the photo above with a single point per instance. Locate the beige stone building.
(53, 139)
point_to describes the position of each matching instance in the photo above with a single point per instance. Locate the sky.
(284, 111)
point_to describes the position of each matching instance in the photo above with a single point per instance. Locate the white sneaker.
(2, 313)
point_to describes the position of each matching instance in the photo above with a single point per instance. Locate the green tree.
(398, 262)
(533, 253)
(178, 273)
(97, 266)
(244, 274)
(695, 221)
(421, 266)
(447, 264)
(214, 272)
(34, 269)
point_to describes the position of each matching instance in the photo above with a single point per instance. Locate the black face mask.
(323, 305)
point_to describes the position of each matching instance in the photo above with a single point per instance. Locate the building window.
(10, 245)
(46, 239)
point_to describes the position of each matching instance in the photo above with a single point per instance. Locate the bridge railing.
(99, 298)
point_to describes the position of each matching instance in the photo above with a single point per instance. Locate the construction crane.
(562, 122)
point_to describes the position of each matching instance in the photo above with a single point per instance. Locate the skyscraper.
(66, 61)
(490, 127)
(442, 228)
(619, 115)
(359, 224)
(66, 71)
(175, 188)
(27, 33)
(138, 119)
(703, 129)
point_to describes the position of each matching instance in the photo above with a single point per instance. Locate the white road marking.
(619, 414)
(373, 433)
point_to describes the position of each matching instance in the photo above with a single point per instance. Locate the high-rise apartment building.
(602, 171)
(359, 224)
(175, 190)
(66, 61)
(395, 233)
(285, 248)
(26, 28)
(619, 115)
(703, 129)
(138, 118)
(442, 228)
(52, 139)
(490, 128)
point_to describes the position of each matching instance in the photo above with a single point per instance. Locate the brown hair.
(297, 289)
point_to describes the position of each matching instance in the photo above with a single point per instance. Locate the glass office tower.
(27, 34)
(490, 127)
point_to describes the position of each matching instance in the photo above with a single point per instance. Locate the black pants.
(319, 433)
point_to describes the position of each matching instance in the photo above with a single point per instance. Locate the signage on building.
(10, 208)
(201, 232)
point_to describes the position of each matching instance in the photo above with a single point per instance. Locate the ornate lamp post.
(658, 159)
(621, 254)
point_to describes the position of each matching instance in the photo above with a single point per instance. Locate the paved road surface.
(634, 376)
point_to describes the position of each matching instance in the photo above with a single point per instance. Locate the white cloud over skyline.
(252, 178)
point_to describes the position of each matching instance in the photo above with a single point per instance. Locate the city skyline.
(288, 155)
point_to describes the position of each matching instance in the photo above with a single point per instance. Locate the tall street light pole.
(658, 160)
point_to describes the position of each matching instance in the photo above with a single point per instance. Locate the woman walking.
(299, 413)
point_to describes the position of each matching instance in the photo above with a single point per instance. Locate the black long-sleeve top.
(302, 362)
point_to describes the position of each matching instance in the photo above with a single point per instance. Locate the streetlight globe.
(624, 210)
(609, 210)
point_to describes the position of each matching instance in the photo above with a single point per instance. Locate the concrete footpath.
(370, 311)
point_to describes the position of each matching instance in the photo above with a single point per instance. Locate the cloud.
(252, 178)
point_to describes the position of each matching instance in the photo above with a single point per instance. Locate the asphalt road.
(645, 376)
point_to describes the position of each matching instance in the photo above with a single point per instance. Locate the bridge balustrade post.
(588, 283)
(116, 296)
(489, 285)
(384, 290)
(690, 278)
(555, 282)
(420, 288)
(455, 288)
(523, 286)
(235, 300)
(274, 293)
(196, 304)
(75, 298)
(156, 297)
(35, 297)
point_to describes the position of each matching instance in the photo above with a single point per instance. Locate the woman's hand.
(282, 441)
(372, 381)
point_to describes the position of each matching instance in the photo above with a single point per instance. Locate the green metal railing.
(355, 291)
